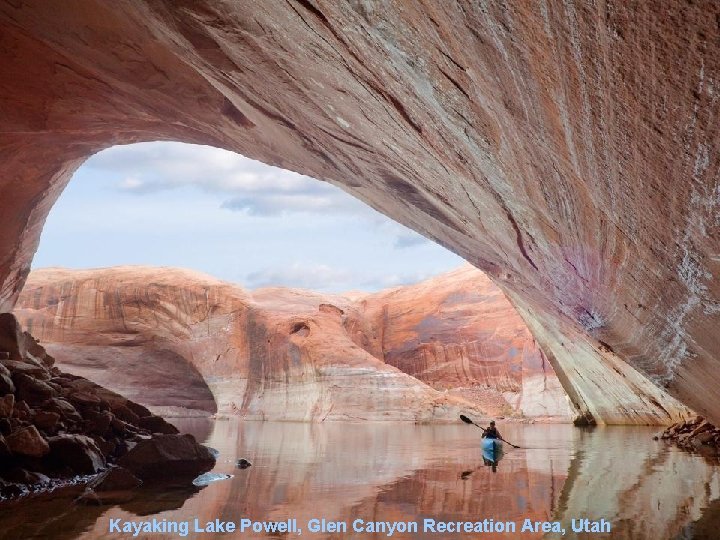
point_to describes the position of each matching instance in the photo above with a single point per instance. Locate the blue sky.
(173, 204)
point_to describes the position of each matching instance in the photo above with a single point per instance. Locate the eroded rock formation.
(408, 353)
(568, 149)
(458, 332)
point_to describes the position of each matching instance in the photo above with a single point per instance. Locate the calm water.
(378, 472)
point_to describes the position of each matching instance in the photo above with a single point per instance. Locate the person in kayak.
(492, 432)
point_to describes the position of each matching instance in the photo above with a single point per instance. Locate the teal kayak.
(492, 447)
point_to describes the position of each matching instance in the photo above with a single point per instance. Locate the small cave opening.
(300, 329)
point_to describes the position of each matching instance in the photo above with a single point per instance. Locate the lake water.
(405, 473)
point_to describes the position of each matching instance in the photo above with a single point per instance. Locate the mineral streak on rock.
(568, 149)
(289, 354)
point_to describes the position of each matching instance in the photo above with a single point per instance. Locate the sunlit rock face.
(170, 337)
(458, 332)
(567, 149)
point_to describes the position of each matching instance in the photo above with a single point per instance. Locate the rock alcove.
(567, 150)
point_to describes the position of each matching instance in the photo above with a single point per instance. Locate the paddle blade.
(466, 419)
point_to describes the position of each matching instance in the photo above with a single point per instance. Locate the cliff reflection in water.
(392, 472)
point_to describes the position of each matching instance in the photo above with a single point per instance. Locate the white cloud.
(386, 281)
(162, 204)
(409, 239)
(251, 186)
(328, 278)
(301, 275)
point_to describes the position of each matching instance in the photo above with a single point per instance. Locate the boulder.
(114, 479)
(168, 457)
(22, 411)
(126, 415)
(156, 424)
(77, 452)
(107, 447)
(27, 441)
(7, 404)
(704, 438)
(82, 399)
(64, 408)
(37, 351)
(120, 427)
(11, 336)
(116, 401)
(46, 420)
(98, 422)
(113, 486)
(28, 367)
(138, 409)
(32, 390)
(6, 384)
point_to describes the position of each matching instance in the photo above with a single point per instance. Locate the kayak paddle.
(468, 421)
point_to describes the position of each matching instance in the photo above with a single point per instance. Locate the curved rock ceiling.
(568, 149)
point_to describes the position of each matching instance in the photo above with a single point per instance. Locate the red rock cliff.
(163, 336)
(569, 149)
(458, 331)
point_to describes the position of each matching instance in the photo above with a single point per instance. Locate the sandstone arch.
(567, 149)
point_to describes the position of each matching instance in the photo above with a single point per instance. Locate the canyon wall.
(458, 332)
(568, 149)
(170, 337)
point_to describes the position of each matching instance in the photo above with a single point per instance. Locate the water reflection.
(396, 472)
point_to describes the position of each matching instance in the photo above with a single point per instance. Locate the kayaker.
(492, 432)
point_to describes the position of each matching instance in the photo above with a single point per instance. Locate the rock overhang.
(521, 137)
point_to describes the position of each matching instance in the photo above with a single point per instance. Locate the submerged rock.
(694, 434)
(208, 478)
(21, 476)
(114, 486)
(115, 478)
(168, 457)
